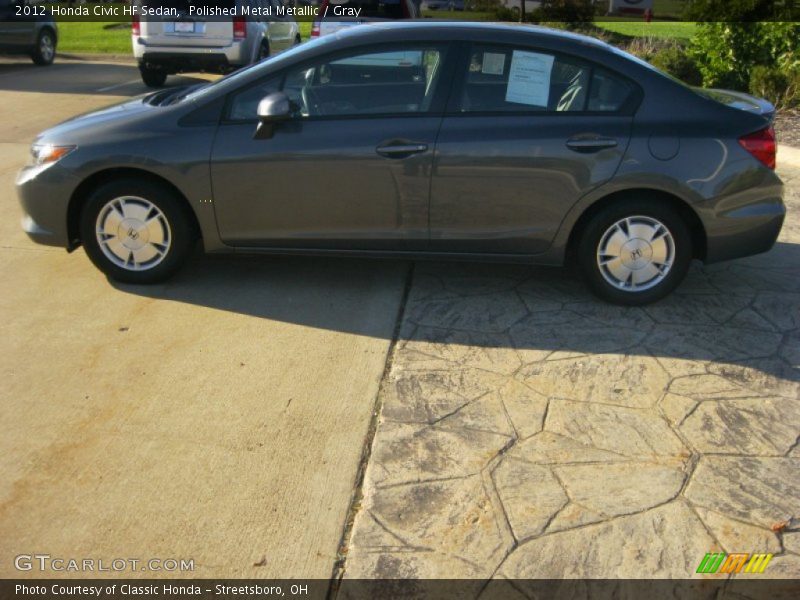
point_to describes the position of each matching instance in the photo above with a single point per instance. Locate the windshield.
(243, 73)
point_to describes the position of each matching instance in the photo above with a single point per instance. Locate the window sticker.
(493, 63)
(529, 78)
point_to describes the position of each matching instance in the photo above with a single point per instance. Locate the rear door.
(527, 133)
(186, 30)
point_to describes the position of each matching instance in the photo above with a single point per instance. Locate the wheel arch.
(91, 183)
(683, 208)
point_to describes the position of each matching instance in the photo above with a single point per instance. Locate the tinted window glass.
(502, 79)
(390, 82)
(245, 103)
(608, 92)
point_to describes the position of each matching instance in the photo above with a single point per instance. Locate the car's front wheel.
(635, 252)
(154, 78)
(136, 231)
(44, 53)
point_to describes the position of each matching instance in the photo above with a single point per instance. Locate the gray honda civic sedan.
(449, 140)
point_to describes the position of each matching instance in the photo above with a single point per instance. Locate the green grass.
(111, 38)
(657, 29)
(464, 15)
(94, 38)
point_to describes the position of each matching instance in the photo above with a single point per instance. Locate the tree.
(742, 10)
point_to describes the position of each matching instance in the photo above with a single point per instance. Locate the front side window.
(398, 81)
(395, 81)
(504, 79)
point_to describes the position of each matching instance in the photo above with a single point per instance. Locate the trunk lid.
(740, 100)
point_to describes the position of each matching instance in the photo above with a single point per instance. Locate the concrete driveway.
(218, 418)
(525, 429)
(529, 431)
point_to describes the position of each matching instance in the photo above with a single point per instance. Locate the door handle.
(591, 144)
(401, 150)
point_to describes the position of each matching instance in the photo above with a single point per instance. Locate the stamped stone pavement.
(528, 430)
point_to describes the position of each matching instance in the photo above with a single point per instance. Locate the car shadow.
(744, 313)
(80, 77)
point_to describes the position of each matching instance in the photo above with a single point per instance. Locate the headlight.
(48, 153)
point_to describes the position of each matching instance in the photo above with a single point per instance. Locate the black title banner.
(543, 11)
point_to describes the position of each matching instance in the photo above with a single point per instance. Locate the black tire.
(154, 78)
(44, 53)
(173, 208)
(263, 51)
(594, 232)
(298, 40)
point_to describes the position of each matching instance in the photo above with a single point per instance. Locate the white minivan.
(185, 41)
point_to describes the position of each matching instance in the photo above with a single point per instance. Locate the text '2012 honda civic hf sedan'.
(457, 140)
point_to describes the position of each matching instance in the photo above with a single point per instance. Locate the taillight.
(762, 145)
(239, 28)
(315, 29)
(136, 28)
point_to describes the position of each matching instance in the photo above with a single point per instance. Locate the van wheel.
(45, 51)
(153, 78)
(634, 252)
(136, 231)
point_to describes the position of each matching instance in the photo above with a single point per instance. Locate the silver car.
(24, 29)
(190, 42)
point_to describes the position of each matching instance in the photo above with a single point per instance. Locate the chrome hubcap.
(636, 253)
(46, 47)
(133, 233)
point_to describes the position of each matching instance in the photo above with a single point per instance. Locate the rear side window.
(504, 79)
(608, 92)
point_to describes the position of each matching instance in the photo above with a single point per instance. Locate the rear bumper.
(175, 59)
(750, 230)
(175, 63)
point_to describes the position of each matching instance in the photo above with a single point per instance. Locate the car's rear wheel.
(634, 252)
(136, 231)
(153, 78)
(44, 53)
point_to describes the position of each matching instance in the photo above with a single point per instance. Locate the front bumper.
(44, 194)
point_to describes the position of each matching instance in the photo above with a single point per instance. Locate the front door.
(351, 170)
(527, 134)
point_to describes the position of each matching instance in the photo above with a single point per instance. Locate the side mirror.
(272, 110)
